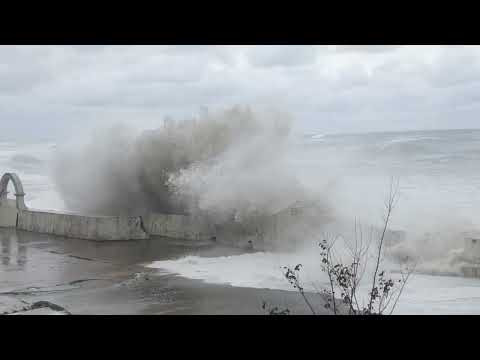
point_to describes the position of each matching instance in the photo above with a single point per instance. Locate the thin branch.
(389, 208)
(404, 281)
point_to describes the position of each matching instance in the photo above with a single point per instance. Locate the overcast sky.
(53, 90)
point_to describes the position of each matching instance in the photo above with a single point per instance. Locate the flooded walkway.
(44, 274)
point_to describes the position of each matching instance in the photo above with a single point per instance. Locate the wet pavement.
(45, 274)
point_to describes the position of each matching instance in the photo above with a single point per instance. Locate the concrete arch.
(19, 193)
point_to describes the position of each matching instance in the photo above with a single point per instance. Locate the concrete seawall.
(199, 228)
(260, 232)
(179, 226)
(82, 227)
(14, 213)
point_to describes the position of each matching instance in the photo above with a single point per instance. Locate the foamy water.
(423, 294)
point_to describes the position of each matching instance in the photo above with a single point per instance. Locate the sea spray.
(230, 166)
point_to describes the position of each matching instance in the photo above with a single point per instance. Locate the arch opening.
(17, 184)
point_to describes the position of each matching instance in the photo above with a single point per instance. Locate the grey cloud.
(332, 89)
(14, 80)
(17, 70)
(367, 48)
(269, 56)
(455, 69)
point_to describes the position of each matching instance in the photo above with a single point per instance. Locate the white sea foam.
(423, 294)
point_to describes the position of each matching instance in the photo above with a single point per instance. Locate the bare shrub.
(342, 294)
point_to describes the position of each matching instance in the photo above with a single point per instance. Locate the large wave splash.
(230, 164)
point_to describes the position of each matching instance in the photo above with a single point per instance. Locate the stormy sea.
(439, 187)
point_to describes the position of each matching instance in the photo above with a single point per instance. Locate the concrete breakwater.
(14, 213)
(259, 232)
(179, 226)
(83, 227)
